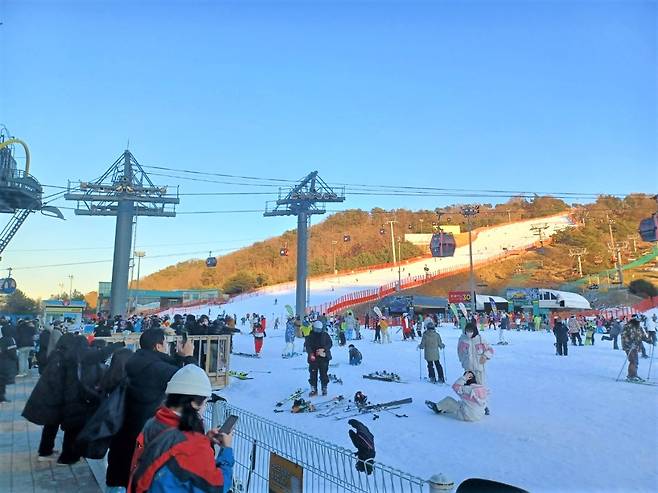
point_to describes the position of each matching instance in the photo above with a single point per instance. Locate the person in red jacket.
(173, 453)
(259, 334)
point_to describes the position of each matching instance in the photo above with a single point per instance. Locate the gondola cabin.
(648, 228)
(211, 262)
(442, 244)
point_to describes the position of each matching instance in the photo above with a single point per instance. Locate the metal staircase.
(12, 227)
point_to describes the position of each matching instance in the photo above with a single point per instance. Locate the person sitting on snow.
(472, 403)
(355, 355)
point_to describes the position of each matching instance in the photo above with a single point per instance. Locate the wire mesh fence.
(327, 468)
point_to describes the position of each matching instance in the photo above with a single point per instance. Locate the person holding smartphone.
(173, 452)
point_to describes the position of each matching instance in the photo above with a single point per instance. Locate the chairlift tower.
(302, 201)
(124, 191)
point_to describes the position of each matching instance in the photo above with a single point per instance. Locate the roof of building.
(571, 300)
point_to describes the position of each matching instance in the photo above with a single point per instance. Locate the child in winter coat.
(473, 400)
(383, 325)
(355, 355)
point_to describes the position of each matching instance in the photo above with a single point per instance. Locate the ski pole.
(445, 367)
(650, 362)
(625, 361)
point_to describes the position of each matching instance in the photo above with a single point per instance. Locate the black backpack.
(94, 439)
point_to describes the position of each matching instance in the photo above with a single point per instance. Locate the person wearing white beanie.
(318, 347)
(186, 443)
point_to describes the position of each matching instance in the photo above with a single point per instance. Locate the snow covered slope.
(557, 424)
(489, 243)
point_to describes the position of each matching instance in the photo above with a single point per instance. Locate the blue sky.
(525, 95)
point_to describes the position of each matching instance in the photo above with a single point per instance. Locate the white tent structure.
(553, 299)
(481, 299)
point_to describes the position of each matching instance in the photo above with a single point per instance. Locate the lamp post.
(333, 251)
(70, 287)
(421, 225)
(469, 211)
(139, 255)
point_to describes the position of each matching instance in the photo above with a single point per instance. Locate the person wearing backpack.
(96, 437)
(173, 452)
(148, 371)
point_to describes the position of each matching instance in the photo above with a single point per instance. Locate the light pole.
(139, 255)
(333, 250)
(70, 286)
(421, 225)
(469, 211)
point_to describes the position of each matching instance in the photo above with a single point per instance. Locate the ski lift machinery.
(442, 244)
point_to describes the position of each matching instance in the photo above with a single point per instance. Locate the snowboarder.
(472, 405)
(431, 342)
(318, 347)
(355, 355)
(631, 340)
(561, 337)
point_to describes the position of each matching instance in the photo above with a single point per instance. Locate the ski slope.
(488, 244)
(557, 424)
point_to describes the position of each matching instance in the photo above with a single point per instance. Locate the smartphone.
(184, 337)
(229, 424)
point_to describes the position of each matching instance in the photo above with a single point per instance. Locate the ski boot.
(432, 406)
(486, 411)
(432, 380)
(324, 390)
(313, 392)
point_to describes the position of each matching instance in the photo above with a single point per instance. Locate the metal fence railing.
(327, 468)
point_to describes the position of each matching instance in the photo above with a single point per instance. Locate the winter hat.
(190, 380)
(317, 326)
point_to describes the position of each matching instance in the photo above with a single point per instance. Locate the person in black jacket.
(8, 360)
(148, 371)
(25, 333)
(45, 404)
(318, 347)
(561, 332)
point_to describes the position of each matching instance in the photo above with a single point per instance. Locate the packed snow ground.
(488, 243)
(557, 423)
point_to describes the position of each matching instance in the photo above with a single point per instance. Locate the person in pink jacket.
(474, 352)
(472, 403)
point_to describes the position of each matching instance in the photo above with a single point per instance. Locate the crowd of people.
(158, 442)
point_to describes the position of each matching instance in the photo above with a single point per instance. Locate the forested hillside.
(261, 263)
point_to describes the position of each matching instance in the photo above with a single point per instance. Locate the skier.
(561, 337)
(407, 329)
(474, 352)
(318, 347)
(651, 328)
(574, 331)
(355, 355)
(258, 332)
(431, 342)
(631, 340)
(289, 351)
(472, 405)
